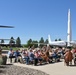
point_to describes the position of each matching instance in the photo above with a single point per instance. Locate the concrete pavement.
(53, 69)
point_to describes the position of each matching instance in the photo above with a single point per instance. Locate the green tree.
(29, 43)
(41, 42)
(18, 42)
(2, 41)
(46, 41)
(35, 43)
(56, 40)
(12, 41)
(59, 39)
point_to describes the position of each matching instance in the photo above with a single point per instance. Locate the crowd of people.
(38, 56)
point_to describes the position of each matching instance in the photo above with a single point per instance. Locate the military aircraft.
(3, 26)
(57, 43)
(60, 43)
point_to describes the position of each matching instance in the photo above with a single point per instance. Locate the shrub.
(3, 60)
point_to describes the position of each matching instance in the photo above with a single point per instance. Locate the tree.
(18, 42)
(11, 42)
(59, 39)
(41, 41)
(56, 40)
(29, 43)
(46, 41)
(35, 43)
(2, 41)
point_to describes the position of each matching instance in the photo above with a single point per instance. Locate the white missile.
(69, 36)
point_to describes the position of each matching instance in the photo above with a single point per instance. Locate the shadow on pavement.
(72, 65)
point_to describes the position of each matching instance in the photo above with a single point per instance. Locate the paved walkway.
(53, 69)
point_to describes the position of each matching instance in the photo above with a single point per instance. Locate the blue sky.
(37, 18)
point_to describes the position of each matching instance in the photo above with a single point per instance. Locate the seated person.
(44, 56)
(26, 57)
(39, 57)
(11, 55)
(51, 55)
(17, 55)
(31, 57)
(36, 58)
(23, 54)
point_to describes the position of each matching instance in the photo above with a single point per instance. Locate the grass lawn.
(14, 48)
(8, 48)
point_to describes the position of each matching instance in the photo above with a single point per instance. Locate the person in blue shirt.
(17, 54)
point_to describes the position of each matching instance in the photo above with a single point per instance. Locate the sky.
(37, 18)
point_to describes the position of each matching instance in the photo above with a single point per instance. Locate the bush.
(3, 60)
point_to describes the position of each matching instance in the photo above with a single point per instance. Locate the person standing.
(68, 56)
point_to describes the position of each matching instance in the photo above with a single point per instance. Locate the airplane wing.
(1, 26)
(7, 39)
